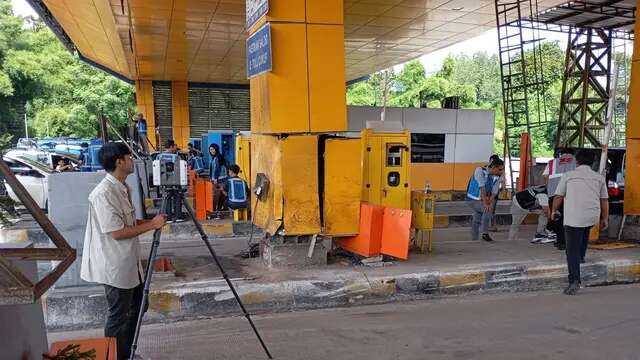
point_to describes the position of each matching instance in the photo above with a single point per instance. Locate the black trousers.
(556, 225)
(124, 306)
(577, 242)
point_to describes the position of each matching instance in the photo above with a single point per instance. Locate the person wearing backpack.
(235, 189)
(535, 200)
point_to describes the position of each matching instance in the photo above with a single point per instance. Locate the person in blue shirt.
(83, 158)
(194, 159)
(217, 174)
(501, 179)
(481, 190)
(141, 130)
(235, 189)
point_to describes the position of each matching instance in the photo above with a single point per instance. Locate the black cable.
(253, 218)
(246, 252)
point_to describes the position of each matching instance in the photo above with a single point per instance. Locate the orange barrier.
(193, 176)
(525, 161)
(368, 241)
(105, 347)
(396, 228)
(382, 231)
(202, 198)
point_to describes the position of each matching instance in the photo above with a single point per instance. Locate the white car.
(33, 175)
(50, 158)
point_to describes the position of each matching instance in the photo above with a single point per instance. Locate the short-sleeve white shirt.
(106, 260)
(582, 190)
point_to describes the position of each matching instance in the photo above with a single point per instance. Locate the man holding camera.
(111, 254)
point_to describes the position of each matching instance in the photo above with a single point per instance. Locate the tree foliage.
(60, 95)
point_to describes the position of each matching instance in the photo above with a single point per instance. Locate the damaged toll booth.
(373, 174)
(314, 186)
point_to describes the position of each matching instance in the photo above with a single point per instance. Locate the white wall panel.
(435, 121)
(358, 116)
(449, 148)
(475, 121)
(473, 148)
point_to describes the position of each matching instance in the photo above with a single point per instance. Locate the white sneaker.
(547, 240)
(538, 238)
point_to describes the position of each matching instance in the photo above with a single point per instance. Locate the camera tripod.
(169, 194)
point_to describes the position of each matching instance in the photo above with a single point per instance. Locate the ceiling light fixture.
(457, 8)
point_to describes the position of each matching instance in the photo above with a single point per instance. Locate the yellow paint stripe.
(462, 279)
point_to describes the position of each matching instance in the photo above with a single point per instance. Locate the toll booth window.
(394, 155)
(427, 148)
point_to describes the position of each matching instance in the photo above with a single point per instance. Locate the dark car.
(615, 170)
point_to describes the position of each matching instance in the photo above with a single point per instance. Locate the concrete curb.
(68, 309)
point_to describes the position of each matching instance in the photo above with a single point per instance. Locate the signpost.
(259, 51)
(255, 10)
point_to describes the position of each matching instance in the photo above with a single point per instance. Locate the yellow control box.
(386, 160)
(422, 210)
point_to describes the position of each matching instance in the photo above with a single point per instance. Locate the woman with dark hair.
(218, 174)
(217, 165)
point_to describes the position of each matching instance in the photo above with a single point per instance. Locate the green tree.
(362, 94)
(371, 91)
(39, 77)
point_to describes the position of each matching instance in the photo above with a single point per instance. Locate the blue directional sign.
(255, 10)
(259, 51)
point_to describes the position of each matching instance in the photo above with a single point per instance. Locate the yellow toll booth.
(385, 162)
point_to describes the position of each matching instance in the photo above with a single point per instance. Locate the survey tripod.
(169, 194)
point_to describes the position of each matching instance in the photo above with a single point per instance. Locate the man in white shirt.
(584, 195)
(111, 254)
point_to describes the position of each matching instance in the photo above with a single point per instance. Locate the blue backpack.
(237, 195)
(197, 164)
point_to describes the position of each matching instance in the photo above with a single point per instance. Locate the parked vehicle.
(33, 175)
(49, 158)
(91, 163)
(616, 166)
(615, 173)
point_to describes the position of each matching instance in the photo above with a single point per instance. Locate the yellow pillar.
(180, 112)
(144, 103)
(303, 94)
(632, 176)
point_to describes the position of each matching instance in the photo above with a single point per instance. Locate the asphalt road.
(599, 323)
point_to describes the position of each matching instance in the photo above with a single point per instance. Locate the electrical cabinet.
(386, 168)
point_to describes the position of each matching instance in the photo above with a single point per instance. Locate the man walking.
(480, 199)
(584, 195)
(111, 246)
(533, 199)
